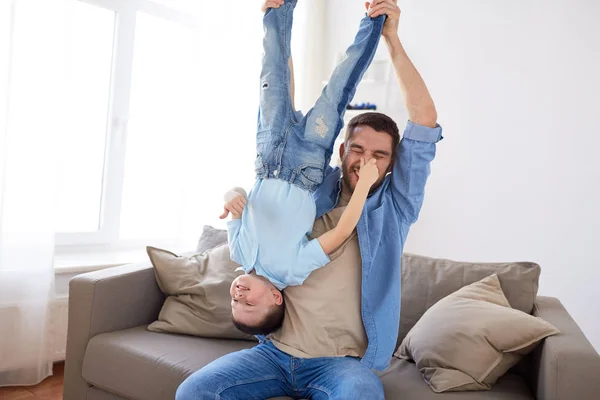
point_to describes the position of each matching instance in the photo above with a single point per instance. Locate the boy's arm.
(233, 234)
(334, 238)
(235, 201)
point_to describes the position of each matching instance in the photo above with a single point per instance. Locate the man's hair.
(379, 122)
(269, 324)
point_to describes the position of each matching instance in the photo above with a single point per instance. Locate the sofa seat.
(402, 380)
(138, 364)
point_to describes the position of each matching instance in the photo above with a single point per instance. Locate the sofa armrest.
(104, 301)
(565, 366)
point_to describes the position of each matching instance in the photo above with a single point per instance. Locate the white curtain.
(31, 77)
(308, 50)
(34, 116)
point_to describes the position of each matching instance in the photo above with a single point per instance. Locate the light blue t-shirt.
(271, 237)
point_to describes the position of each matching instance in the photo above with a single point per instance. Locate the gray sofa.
(112, 356)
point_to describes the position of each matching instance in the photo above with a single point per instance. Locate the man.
(342, 323)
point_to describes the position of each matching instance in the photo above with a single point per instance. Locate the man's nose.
(238, 295)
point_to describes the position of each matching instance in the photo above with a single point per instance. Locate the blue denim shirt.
(387, 216)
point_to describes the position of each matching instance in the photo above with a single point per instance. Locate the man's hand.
(235, 207)
(271, 4)
(368, 173)
(391, 9)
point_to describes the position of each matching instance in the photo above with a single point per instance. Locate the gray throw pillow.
(211, 238)
(426, 280)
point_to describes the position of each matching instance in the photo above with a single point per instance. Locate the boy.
(269, 238)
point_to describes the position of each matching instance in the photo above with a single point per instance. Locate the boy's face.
(252, 297)
(365, 142)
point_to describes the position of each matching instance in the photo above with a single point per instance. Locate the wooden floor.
(50, 389)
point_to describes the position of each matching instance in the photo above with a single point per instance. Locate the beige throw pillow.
(469, 339)
(426, 280)
(197, 290)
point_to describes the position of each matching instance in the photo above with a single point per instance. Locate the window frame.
(125, 14)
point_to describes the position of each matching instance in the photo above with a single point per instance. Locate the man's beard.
(346, 174)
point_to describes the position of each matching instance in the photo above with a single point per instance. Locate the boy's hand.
(235, 207)
(271, 4)
(368, 173)
(389, 7)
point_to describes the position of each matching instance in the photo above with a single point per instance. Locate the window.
(163, 112)
(154, 128)
(89, 39)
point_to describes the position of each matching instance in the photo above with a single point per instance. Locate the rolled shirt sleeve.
(411, 169)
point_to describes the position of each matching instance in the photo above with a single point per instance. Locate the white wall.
(343, 19)
(307, 51)
(517, 86)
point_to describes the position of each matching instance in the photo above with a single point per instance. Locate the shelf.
(364, 81)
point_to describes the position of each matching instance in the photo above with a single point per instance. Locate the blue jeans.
(291, 146)
(263, 372)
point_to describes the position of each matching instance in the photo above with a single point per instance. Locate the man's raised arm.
(417, 147)
(418, 101)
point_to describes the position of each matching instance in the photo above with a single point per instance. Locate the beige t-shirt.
(322, 316)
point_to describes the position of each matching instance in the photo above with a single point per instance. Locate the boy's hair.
(379, 122)
(269, 324)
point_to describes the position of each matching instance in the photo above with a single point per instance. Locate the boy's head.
(256, 305)
(368, 135)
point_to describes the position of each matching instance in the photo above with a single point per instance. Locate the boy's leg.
(255, 373)
(276, 109)
(325, 121)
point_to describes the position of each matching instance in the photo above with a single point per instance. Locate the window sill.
(87, 261)
(80, 259)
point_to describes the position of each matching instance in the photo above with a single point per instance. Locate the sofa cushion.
(197, 290)
(94, 393)
(470, 338)
(211, 237)
(426, 280)
(402, 381)
(138, 364)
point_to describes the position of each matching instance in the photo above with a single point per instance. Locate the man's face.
(367, 143)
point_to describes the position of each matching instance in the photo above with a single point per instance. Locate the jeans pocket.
(311, 175)
(259, 165)
(263, 138)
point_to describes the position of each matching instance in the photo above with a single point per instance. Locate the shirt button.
(275, 173)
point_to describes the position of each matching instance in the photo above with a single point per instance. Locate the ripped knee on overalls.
(321, 127)
(265, 85)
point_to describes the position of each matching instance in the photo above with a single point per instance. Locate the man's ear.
(342, 150)
(277, 296)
